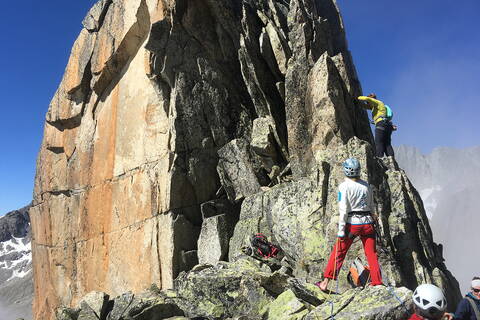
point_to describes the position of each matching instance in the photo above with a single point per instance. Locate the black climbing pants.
(383, 139)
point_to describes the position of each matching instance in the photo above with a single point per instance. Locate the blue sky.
(36, 40)
(420, 57)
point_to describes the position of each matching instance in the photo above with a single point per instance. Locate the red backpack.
(262, 247)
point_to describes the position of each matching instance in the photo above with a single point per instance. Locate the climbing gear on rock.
(429, 300)
(359, 274)
(351, 167)
(259, 245)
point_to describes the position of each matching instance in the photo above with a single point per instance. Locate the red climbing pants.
(367, 234)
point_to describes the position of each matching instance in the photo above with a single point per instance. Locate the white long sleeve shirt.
(354, 196)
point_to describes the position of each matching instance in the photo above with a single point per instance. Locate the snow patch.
(22, 265)
(429, 200)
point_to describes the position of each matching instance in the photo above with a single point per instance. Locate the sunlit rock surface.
(155, 116)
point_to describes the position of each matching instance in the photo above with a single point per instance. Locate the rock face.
(167, 105)
(16, 285)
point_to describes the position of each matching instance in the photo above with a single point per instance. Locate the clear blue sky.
(421, 57)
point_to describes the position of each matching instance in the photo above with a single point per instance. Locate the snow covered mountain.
(448, 180)
(16, 285)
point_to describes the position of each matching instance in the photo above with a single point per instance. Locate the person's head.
(351, 168)
(372, 95)
(476, 287)
(429, 301)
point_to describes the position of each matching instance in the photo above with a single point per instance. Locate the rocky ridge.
(245, 289)
(182, 127)
(16, 285)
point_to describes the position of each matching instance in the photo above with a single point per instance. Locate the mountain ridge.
(16, 277)
(449, 191)
(182, 127)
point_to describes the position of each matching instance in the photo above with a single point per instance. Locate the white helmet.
(351, 167)
(430, 301)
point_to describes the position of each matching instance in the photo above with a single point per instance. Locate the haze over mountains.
(448, 180)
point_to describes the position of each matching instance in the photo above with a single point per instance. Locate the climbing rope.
(332, 317)
(392, 292)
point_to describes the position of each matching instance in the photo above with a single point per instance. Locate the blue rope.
(332, 317)
(392, 292)
(390, 289)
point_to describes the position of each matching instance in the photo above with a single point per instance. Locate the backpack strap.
(474, 307)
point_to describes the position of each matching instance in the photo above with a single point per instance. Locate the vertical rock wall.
(168, 105)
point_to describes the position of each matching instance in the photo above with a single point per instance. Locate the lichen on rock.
(174, 116)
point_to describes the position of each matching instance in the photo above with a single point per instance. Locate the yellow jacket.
(379, 112)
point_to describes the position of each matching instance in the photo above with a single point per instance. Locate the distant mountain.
(448, 180)
(16, 285)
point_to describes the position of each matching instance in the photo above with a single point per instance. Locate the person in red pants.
(355, 203)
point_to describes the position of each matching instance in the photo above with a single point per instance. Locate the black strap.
(474, 307)
(359, 213)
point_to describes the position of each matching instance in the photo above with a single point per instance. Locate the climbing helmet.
(430, 300)
(351, 167)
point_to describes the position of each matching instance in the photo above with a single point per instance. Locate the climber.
(356, 219)
(383, 124)
(429, 303)
(468, 308)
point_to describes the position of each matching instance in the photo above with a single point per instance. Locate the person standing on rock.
(469, 307)
(429, 303)
(383, 125)
(355, 203)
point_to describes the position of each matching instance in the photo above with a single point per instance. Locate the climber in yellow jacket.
(383, 124)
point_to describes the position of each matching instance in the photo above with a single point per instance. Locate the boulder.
(224, 290)
(287, 307)
(87, 313)
(307, 292)
(373, 303)
(266, 144)
(159, 311)
(214, 239)
(236, 171)
(292, 216)
(121, 304)
(63, 313)
(94, 303)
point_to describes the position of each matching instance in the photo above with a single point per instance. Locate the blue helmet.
(351, 167)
